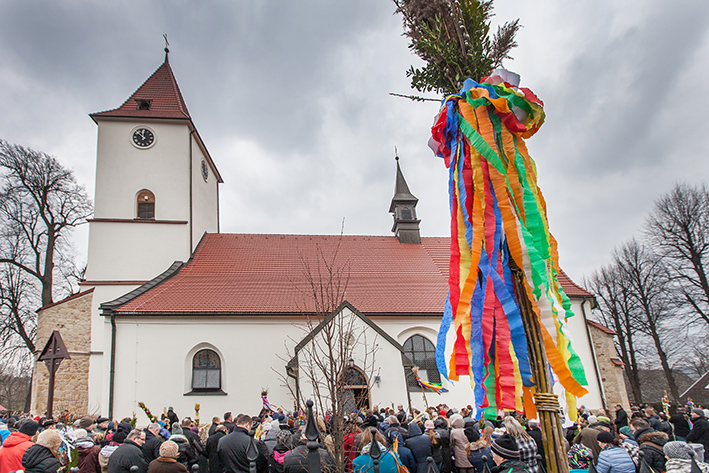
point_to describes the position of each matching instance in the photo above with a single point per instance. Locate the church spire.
(403, 208)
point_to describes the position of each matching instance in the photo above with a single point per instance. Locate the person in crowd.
(215, 464)
(477, 449)
(166, 462)
(505, 455)
(420, 446)
(651, 444)
(128, 454)
(680, 424)
(270, 438)
(87, 452)
(621, 417)
(185, 452)
(536, 433)
(441, 428)
(612, 458)
(172, 417)
(102, 424)
(628, 443)
(458, 444)
(213, 427)
(283, 446)
(388, 460)
(43, 457)
(122, 431)
(153, 440)
(296, 461)
(679, 457)
(194, 440)
(395, 442)
(700, 429)
(589, 437)
(229, 422)
(85, 423)
(349, 442)
(435, 438)
(15, 446)
(232, 449)
(526, 445)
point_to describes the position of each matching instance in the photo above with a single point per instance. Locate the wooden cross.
(53, 353)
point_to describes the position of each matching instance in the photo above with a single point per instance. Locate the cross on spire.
(167, 49)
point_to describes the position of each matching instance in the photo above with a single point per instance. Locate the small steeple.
(403, 208)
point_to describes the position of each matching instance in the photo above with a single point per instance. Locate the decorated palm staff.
(435, 387)
(266, 404)
(149, 414)
(506, 307)
(666, 404)
(196, 414)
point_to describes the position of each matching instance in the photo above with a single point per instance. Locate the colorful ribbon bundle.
(266, 404)
(498, 217)
(435, 387)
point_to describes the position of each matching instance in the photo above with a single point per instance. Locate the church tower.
(157, 193)
(403, 208)
(156, 185)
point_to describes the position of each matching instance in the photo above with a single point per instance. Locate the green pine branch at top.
(453, 39)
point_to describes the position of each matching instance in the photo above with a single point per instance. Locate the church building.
(174, 313)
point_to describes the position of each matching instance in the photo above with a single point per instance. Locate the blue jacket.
(615, 460)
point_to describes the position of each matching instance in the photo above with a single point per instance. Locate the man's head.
(504, 448)
(216, 420)
(136, 436)
(638, 423)
(697, 414)
(244, 421)
(618, 407)
(228, 417)
(186, 423)
(154, 428)
(102, 422)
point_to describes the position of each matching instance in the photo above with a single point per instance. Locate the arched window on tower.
(206, 371)
(422, 353)
(145, 204)
(406, 213)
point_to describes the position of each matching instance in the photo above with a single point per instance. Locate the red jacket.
(12, 450)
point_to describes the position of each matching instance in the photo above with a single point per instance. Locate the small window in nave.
(206, 370)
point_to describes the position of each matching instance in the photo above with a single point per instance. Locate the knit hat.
(177, 430)
(85, 422)
(627, 431)
(604, 419)
(80, 434)
(699, 412)
(168, 449)
(51, 439)
(428, 425)
(101, 420)
(506, 447)
(605, 437)
(283, 437)
(29, 428)
(592, 419)
(677, 450)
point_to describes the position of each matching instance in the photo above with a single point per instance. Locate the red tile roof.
(571, 288)
(162, 89)
(600, 327)
(271, 274)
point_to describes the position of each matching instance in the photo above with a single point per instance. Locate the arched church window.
(145, 204)
(406, 213)
(206, 370)
(422, 353)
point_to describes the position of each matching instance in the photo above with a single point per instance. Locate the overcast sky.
(292, 100)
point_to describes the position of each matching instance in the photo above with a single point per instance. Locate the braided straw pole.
(546, 402)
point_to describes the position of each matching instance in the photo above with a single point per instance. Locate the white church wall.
(205, 217)
(122, 170)
(155, 246)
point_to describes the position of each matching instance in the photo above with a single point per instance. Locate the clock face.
(143, 137)
(205, 170)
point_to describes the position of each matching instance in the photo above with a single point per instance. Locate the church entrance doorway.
(355, 394)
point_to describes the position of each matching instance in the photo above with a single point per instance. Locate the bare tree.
(643, 273)
(40, 202)
(678, 228)
(617, 310)
(335, 340)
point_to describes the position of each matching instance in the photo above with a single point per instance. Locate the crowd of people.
(448, 439)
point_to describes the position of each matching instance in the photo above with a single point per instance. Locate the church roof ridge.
(161, 94)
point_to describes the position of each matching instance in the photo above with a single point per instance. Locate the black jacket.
(536, 434)
(232, 451)
(680, 424)
(215, 464)
(39, 459)
(151, 447)
(621, 419)
(296, 461)
(510, 466)
(420, 446)
(700, 433)
(195, 441)
(651, 445)
(125, 456)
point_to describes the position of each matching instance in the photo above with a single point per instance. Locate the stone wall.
(611, 373)
(72, 317)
